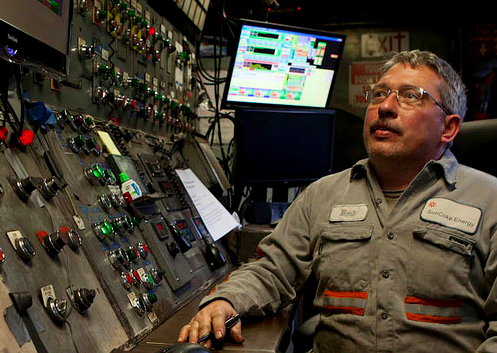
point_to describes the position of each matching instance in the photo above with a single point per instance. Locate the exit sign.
(380, 44)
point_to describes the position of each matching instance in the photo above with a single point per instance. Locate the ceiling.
(329, 14)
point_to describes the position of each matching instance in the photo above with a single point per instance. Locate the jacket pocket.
(439, 262)
(345, 257)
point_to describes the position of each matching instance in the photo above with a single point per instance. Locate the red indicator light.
(159, 227)
(151, 31)
(3, 133)
(27, 137)
(127, 197)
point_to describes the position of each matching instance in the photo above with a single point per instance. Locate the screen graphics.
(282, 66)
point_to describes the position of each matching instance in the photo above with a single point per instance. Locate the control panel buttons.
(148, 300)
(53, 243)
(22, 187)
(24, 249)
(117, 200)
(118, 258)
(57, 309)
(142, 249)
(102, 230)
(157, 275)
(95, 174)
(83, 298)
(133, 254)
(104, 202)
(73, 239)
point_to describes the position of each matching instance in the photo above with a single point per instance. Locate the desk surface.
(261, 336)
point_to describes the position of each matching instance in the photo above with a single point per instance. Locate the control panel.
(101, 242)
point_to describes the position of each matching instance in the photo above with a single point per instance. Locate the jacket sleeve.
(273, 281)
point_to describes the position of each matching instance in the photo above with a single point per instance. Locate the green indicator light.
(105, 226)
(131, 13)
(152, 297)
(88, 121)
(79, 141)
(110, 175)
(116, 227)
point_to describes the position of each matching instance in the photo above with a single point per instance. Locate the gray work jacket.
(418, 279)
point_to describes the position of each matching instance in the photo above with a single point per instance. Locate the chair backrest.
(476, 145)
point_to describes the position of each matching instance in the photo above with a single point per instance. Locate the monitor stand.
(264, 212)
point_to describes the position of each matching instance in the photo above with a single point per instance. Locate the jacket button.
(384, 316)
(390, 235)
(386, 274)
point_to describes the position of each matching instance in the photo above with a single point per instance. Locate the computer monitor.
(281, 66)
(36, 34)
(281, 148)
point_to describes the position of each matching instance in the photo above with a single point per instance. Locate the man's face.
(394, 131)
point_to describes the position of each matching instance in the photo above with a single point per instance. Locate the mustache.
(383, 125)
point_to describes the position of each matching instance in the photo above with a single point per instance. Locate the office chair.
(476, 144)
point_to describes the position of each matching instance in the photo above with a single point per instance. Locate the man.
(403, 244)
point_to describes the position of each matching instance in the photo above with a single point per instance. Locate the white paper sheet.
(215, 216)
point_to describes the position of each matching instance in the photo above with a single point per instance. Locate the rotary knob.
(83, 299)
(57, 309)
(24, 249)
(53, 243)
(73, 239)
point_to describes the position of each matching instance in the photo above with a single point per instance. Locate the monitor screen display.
(278, 65)
(36, 33)
(282, 147)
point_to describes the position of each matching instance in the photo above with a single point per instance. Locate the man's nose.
(389, 107)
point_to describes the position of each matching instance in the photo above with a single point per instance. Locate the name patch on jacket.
(348, 213)
(452, 214)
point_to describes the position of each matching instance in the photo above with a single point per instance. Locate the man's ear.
(452, 125)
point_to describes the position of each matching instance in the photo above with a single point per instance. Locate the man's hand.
(211, 319)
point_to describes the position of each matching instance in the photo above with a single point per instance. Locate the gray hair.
(452, 90)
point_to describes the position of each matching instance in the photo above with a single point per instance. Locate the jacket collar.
(447, 163)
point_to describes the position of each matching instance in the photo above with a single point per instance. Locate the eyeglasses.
(405, 95)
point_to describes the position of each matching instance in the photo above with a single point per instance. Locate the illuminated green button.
(152, 297)
(106, 227)
(97, 171)
(132, 253)
(79, 141)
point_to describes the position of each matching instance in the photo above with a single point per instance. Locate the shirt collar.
(447, 163)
